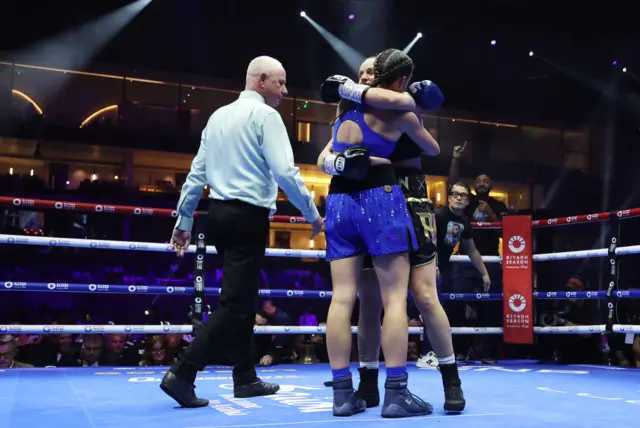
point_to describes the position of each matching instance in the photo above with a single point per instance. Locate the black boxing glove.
(341, 87)
(353, 163)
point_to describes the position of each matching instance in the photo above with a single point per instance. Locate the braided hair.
(390, 65)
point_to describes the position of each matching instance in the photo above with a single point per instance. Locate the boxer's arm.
(279, 156)
(389, 100)
(412, 126)
(192, 188)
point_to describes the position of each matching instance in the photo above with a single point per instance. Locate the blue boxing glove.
(353, 163)
(426, 94)
(341, 87)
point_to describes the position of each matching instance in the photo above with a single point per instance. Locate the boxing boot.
(368, 387)
(345, 400)
(399, 402)
(453, 397)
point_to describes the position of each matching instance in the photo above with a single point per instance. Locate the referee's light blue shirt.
(245, 154)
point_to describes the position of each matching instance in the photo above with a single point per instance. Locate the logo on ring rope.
(132, 289)
(517, 303)
(137, 211)
(170, 290)
(517, 244)
(174, 214)
(322, 294)
(58, 205)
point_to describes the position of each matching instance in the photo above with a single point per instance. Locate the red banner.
(517, 279)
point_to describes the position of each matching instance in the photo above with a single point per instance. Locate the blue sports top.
(376, 144)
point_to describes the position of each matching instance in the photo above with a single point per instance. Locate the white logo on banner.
(517, 244)
(521, 303)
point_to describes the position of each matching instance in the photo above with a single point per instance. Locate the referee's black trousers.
(240, 232)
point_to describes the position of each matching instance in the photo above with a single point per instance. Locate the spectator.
(88, 355)
(578, 348)
(264, 346)
(308, 318)
(465, 278)
(119, 352)
(8, 352)
(156, 353)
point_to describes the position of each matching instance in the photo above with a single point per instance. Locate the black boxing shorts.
(422, 215)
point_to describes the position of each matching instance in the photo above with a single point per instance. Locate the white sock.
(371, 365)
(451, 359)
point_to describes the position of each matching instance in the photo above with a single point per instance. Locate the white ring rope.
(187, 329)
(272, 252)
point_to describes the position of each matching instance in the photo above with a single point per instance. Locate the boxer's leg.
(345, 253)
(425, 294)
(369, 332)
(388, 241)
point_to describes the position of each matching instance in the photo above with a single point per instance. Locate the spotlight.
(419, 35)
(624, 70)
(615, 62)
(530, 53)
(302, 14)
(146, 312)
(352, 16)
(493, 42)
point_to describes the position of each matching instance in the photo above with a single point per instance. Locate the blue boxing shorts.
(422, 217)
(374, 221)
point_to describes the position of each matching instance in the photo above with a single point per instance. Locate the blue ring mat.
(511, 394)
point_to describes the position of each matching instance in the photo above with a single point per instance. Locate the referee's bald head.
(266, 76)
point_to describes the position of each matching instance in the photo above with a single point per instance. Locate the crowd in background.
(69, 265)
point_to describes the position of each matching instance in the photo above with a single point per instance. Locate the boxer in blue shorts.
(367, 214)
(406, 160)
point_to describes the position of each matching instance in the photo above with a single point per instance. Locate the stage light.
(624, 70)
(302, 14)
(615, 62)
(530, 53)
(419, 35)
(493, 42)
(352, 16)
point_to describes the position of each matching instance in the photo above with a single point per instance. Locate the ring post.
(614, 241)
(198, 277)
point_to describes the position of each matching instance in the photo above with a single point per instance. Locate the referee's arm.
(192, 188)
(279, 156)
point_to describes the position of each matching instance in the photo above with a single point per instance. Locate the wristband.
(352, 91)
(329, 165)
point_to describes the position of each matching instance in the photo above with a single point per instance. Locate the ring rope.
(30, 203)
(174, 290)
(44, 241)
(187, 329)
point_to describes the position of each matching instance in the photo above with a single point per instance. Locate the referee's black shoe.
(181, 391)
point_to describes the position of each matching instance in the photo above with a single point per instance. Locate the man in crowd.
(465, 278)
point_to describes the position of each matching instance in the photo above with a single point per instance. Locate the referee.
(244, 156)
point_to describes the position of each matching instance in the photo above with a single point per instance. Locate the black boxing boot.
(453, 397)
(368, 387)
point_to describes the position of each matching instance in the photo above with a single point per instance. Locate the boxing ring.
(513, 393)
